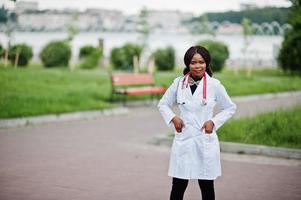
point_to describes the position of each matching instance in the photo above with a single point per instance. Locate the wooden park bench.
(132, 84)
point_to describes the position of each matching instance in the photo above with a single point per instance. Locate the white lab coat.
(194, 154)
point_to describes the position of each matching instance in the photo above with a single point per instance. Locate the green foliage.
(122, 57)
(57, 53)
(295, 15)
(2, 50)
(289, 55)
(165, 58)
(7, 15)
(89, 56)
(24, 51)
(3, 14)
(219, 53)
(86, 51)
(280, 128)
(247, 28)
(257, 15)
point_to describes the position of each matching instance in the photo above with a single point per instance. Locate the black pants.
(179, 186)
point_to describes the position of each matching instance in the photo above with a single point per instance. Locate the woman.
(195, 152)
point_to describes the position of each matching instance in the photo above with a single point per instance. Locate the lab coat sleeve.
(227, 106)
(167, 101)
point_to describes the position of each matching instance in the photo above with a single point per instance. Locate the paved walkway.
(112, 158)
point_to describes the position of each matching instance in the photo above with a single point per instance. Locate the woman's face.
(197, 66)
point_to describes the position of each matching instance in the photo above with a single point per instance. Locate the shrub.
(89, 56)
(24, 51)
(289, 55)
(165, 58)
(86, 51)
(57, 53)
(122, 57)
(290, 51)
(219, 53)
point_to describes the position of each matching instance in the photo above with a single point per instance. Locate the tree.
(165, 58)
(72, 28)
(289, 55)
(248, 30)
(9, 19)
(201, 26)
(20, 54)
(143, 27)
(144, 32)
(56, 53)
(256, 15)
(3, 14)
(121, 58)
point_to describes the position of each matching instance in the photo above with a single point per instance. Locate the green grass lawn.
(262, 81)
(281, 128)
(27, 92)
(36, 91)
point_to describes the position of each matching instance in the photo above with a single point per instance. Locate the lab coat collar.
(199, 90)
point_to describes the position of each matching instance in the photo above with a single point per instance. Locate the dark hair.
(203, 52)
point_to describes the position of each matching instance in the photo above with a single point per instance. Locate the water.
(261, 51)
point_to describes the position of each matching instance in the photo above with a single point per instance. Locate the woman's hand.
(178, 123)
(208, 126)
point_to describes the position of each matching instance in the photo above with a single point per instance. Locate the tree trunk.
(6, 58)
(17, 58)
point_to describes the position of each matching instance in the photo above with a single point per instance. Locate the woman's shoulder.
(214, 80)
(177, 79)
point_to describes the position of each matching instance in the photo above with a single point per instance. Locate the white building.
(22, 6)
(229, 28)
(43, 20)
(168, 21)
(31, 19)
(57, 20)
(111, 20)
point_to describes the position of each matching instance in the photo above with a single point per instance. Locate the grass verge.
(281, 128)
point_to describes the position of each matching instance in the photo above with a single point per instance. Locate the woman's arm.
(167, 101)
(228, 108)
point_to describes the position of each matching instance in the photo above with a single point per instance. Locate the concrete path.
(112, 158)
(256, 104)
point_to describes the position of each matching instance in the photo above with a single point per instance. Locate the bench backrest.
(119, 79)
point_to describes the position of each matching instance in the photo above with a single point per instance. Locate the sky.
(133, 6)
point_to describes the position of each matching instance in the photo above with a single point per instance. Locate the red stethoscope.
(185, 84)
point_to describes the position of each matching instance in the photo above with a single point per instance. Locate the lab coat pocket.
(184, 135)
(209, 138)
